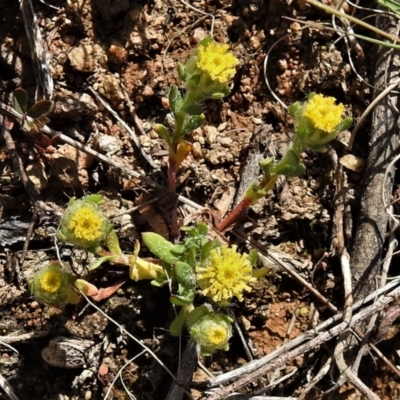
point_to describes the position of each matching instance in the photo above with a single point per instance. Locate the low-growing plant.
(204, 274)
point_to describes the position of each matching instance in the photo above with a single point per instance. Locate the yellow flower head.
(86, 224)
(51, 281)
(224, 274)
(323, 113)
(83, 224)
(212, 332)
(216, 62)
(217, 335)
(52, 285)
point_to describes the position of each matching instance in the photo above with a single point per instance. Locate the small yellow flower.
(224, 274)
(215, 61)
(209, 329)
(51, 281)
(52, 285)
(86, 225)
(83, 224)
(217, 335)
(323, 113)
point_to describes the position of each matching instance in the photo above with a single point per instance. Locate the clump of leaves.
(34, 118)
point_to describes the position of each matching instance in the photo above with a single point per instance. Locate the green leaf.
(20, 101)
(193, 109)
(163, 133)
(182, 72)
(345, 124)
(195, 315)
(178, 249)
(160, 247)
(267, 165)
(193, 82)
(220, 95)
(112, 243)
(40, 109)
(202, 228)
(186, 279)
(175, 99)
(100, 261)
(295, 109)
(178, 323)
(212, 244)
(94, 198)
(192, 122)
(206, 41)
(253, 256)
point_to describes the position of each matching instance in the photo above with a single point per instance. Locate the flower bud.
(209, 329)
(318, 120)
(209, 70)
(83, 224)
(52, 285)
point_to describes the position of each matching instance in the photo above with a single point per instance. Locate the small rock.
(109, 87)
(87, 57)
(70, 166)
(226, 141)
(73, 106)
(107, 144)
(211, 134)
(353, 162)
(196, 150)
(117, 54)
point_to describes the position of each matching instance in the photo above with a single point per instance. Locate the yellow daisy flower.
(323, 113)
(216, 62)
(224, 274)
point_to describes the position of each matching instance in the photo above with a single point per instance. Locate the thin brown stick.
(321, 338)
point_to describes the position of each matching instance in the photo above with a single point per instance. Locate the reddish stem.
(231, 218)
(172, 188)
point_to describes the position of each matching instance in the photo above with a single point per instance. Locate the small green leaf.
(192, 122)
(178, 323)
(345, 124)
(193, 109)
(112, 243)
(182, 72)
(202, 229)
(206, 41)
(220, 95)
(163, 133)
(193, 82)
(178, 249)
(186, 279)
(100, 261)
(205, 251)
(95, 199)
(20, 101)
(253, 256)
(195, 315)
(40, 109)
(175, 99)
(160, 247)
